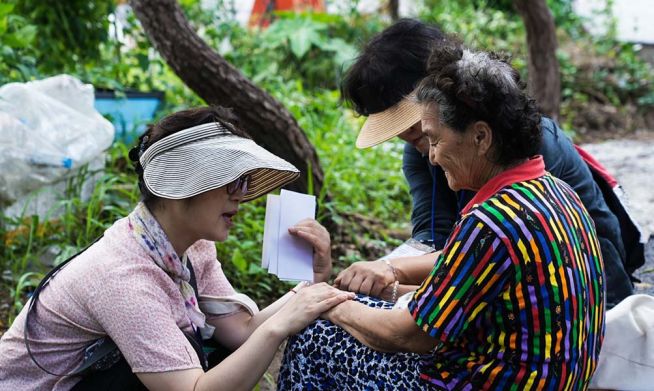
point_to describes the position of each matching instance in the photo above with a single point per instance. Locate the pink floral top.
(114, 288)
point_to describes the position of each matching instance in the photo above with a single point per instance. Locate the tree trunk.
(544, 79)
(218, 82)
(394, 9)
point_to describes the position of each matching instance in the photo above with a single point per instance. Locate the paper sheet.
(270, 231)
(287, 256)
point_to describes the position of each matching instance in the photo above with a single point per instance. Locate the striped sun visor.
(208, 156)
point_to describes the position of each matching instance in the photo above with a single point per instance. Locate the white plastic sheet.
(48, 129)
(626, 361)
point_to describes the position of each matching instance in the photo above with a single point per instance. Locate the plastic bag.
(48, 129)
(626, 361)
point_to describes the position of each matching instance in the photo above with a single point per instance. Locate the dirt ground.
(630, 161)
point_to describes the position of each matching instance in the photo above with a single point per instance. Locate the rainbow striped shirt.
(517, 296)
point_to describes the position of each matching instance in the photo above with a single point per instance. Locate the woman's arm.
(239, 371)
(243, 368)
(241, 324)
(371, 278)
(233, 330)
(383, 330)
(413, 270)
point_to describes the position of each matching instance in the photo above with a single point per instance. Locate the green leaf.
(143, 61)
(343, 50)
(6, 52)
(239, 261)
(3, 26)
(21, 38)
(6, 8)
(302, 39)
(66, 252)
(300, 44)
(255, 269)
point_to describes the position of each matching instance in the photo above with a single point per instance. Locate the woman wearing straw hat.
(516, 298)
(142, 298)
(379, 85)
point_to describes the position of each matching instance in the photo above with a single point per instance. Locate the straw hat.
(387, 124)
(208, 156)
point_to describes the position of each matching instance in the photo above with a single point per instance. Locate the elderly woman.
(515, 299)
(134, 309)
(389, 68)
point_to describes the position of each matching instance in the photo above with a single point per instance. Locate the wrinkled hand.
(317, 235)
(368, 278)
(332, 313)
(308, 304)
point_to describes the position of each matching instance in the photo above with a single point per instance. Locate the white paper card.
(270, 233)
(289, 257)
(295, 255)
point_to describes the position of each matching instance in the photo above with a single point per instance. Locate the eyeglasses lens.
(241, 184)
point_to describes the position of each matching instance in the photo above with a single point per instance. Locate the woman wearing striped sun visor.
(135, 308)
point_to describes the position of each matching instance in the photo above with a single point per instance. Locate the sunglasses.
(241, 184)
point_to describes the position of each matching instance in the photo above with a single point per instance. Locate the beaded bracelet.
(394, 294)
(386, 261)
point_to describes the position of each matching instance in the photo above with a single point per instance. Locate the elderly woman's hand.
(317, 235)
(308, 304)
(368, 278)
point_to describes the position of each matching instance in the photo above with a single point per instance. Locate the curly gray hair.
(471, 86)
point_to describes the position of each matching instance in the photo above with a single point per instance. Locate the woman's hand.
(368, 278)
(307, 305)
(317, 235)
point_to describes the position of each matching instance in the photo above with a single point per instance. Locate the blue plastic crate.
(129, 112)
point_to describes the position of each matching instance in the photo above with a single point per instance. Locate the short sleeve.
(209, 273)
(470, 273)
(133, 306)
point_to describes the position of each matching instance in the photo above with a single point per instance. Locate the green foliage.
(480, 27)
(309, 47)
(17, 34)
(69, 31)
(627, 76)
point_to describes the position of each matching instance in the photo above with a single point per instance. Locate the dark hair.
(174, 123)
(390, 66)
(471, 86)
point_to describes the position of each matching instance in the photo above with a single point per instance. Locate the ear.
(482, 137)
